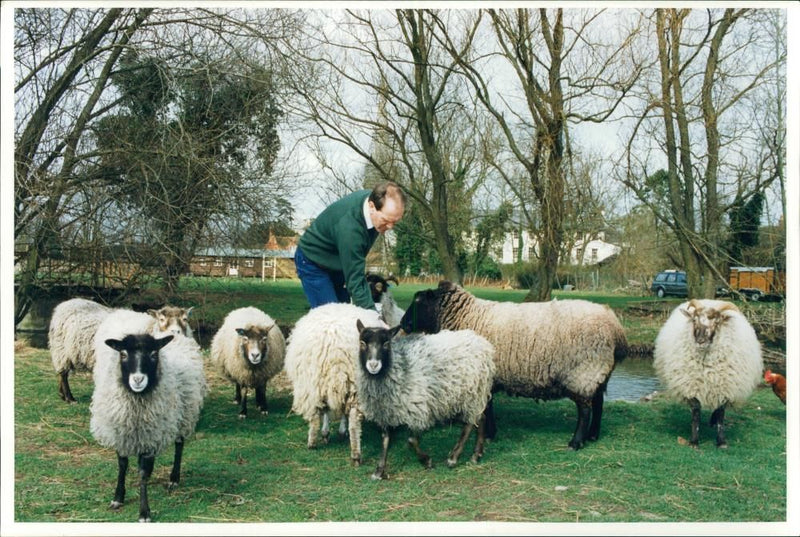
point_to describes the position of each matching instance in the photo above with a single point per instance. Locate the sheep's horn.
(392, 278)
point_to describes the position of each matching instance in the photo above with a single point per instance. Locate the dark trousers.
(321, 286)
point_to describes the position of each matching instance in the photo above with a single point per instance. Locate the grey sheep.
(148, 394)
(544, 350)
(72, 329)
(249, 349)
(421, 380)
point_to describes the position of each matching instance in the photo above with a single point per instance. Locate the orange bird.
(778, 383)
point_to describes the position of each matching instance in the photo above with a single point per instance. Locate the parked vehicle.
(758, 283)
(670, 282)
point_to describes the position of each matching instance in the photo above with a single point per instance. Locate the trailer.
(758, 283)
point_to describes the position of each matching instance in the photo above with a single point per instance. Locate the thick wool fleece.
(134, 424)
(322, 357)
(71, 334)
(431, 378)
(726, 372)
(228, 355)
(542, 349)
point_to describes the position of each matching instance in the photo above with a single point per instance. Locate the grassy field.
(259, 469)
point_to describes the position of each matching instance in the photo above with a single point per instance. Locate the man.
(331, 256)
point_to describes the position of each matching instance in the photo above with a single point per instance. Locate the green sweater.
(338, 239)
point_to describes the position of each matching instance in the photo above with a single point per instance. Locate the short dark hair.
(386, 188)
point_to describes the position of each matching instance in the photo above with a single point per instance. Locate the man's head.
(387, 203)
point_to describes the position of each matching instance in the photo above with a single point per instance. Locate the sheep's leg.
(694, 404)
(477, 453)
(584, 411)
(63, 387)
(261, 399)
(490, 423)
(597, 413)
(424, 458)
(313, 429)
(119, 492)
(146, 463)
(326, 426)
(243, 409)
(343, 427)
(380, 471)
(718, 419)
(355, 434)
(237, 396)
(175, 474)
(452, 458)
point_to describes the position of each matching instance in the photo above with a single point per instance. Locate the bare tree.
(708, 62)
(548, 87)
(64, 63)
(390, 96)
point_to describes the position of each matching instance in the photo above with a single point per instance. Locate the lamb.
(321, 360)
(72, 329)
(547, 350)
(385, 303)
(148, 394)
(249, 349)
(708, 355)
(420, 380)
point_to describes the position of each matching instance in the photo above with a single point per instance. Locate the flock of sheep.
(439, 361)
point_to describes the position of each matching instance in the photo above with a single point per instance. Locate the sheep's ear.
(114, 344)
(359, 325)
(393, 332)
(189, 310)
(240, 331)
(379, 287)
(153, 313)
(161, 343)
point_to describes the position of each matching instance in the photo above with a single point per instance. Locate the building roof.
(229, 251)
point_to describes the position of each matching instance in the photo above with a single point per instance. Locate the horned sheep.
(707, 355)
(148, 394)
(249, 349)
(419, 380)
(544, 350)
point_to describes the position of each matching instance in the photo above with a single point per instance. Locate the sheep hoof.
(723, 445)
(356, 461)
(144, 519)
(242, 416)
(172, 485)
(265, 412)
(451, 463)
(378, 476)
(115, 505)
(475, 458)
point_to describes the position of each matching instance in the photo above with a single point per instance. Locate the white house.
(596, 249)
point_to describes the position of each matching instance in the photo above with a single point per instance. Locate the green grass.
(259, 469)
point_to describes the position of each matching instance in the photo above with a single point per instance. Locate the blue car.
(670, 283)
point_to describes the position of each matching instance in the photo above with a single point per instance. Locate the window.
(249, 263)
(594, 254)
(218, 262)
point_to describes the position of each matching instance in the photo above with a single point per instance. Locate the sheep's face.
(173, 320)
(138, 360)
(375, 348)
(705, 323)
(378, 285)
(254, 343)
(423, 313)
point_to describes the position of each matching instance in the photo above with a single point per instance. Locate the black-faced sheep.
(385, 303)
(421, 380)
(548, 350)
(249, 349)
(321, 360)
(708, 355)
(148, 395)
(72, 330)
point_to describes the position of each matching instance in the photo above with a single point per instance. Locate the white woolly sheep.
(543, 350)
(418, 381)
(321, 361)
(249, 349)
(708, 355)
(148, 394)
(72, 329)
(385, 303)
